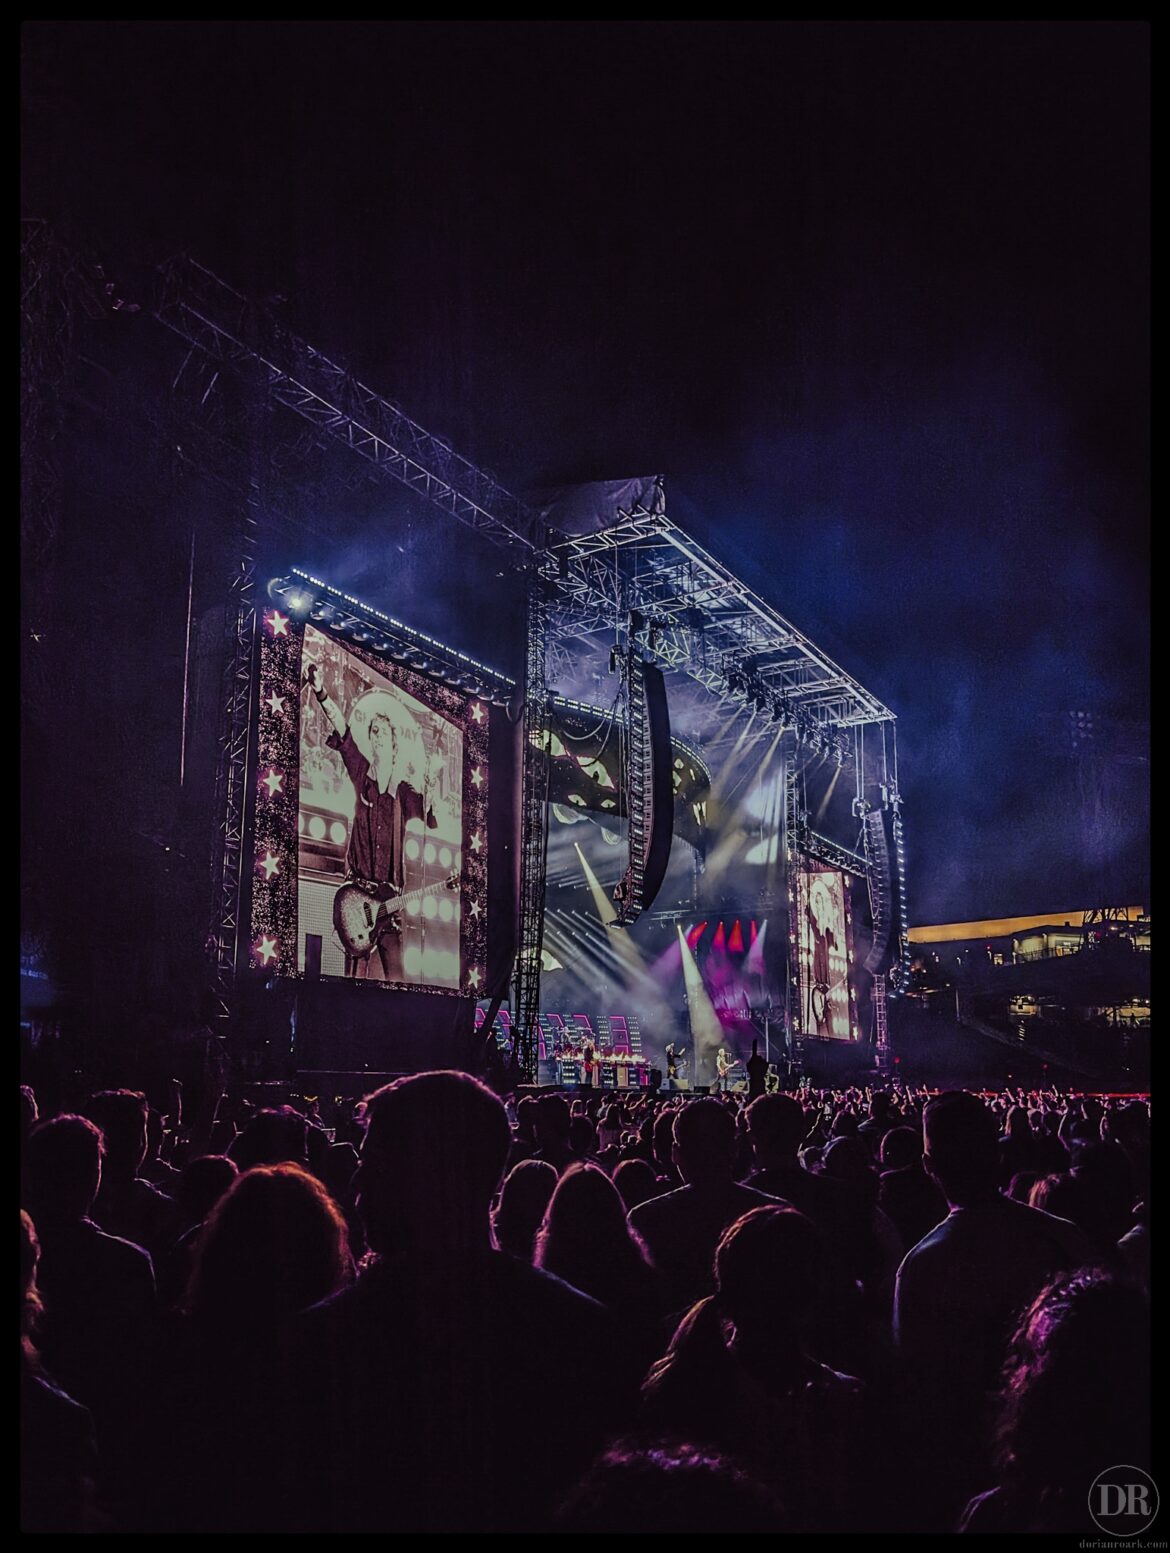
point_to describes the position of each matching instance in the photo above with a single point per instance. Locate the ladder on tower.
(881, 1029)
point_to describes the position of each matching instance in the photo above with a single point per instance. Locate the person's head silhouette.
(704, 1141)
(28, 1111)
(30, 1300)
(777, 1127)
(961, 1137)
(767, 1268)
(64, 1163)
(274, 1244)
(271, 1137)
(121, 1114)
(635, 1181)
(1076, 1390)
(553, 1121)
(523, 1199)
(901, 1146)
(433, 1155)
(584, 1238)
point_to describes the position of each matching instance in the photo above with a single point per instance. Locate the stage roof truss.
(705, 621)
(234, 331)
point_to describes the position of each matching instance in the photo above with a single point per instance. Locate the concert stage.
(617, 801)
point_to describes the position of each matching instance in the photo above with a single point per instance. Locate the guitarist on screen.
(372, 746)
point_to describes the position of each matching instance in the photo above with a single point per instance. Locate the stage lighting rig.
(782, 714)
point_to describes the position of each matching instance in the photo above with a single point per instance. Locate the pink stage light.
(753, 965)
(755, 932)
(735, 941)
(720, 938)
(695, 933)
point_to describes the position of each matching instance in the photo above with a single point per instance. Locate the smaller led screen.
(823, 947)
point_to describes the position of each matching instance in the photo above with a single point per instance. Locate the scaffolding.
(533, 838)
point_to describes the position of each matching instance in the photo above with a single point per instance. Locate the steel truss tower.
(533, 836)
(795, 840)
(233, 765)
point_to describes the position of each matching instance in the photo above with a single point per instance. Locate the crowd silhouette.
(437, 1310)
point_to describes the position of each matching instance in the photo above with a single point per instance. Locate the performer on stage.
(371, 743)
(724, 1062)
(674, 1064)
(757, 1072)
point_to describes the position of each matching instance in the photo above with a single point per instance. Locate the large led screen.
(376, 790)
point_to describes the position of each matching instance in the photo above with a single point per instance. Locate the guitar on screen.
(360, 911)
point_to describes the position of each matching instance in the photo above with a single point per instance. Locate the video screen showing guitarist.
(372, 742)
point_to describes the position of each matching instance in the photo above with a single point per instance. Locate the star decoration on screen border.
(277, 623)
(476, 842)
(473, 978)
(266, 949)
(274, 782)
(477, 777)
(270, 865)
(275, 704)
(475, 908)
(477, 711)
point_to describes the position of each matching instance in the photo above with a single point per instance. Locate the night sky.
(873, 298)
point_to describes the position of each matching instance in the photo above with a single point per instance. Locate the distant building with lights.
(1072, 984)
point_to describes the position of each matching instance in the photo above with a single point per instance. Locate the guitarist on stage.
(384, 800)
(674, 1063)
(724, 1063)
